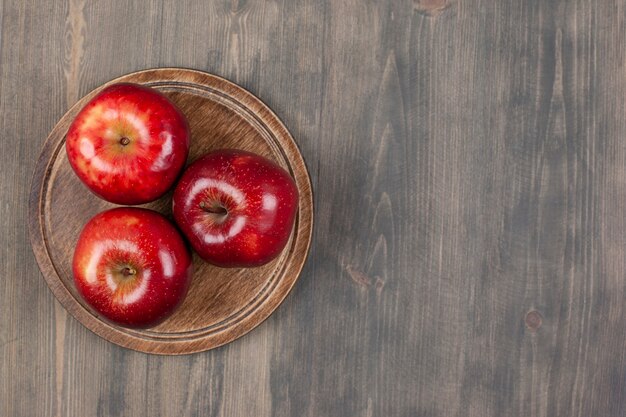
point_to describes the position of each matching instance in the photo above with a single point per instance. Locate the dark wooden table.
(468, 160)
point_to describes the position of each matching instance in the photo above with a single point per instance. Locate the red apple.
(236, 208)
(132, 266)
(128, 144)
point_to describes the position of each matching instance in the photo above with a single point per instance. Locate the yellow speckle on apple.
(132, 221)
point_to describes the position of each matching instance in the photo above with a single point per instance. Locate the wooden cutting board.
(222, 304)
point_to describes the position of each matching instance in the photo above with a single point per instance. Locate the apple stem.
(126, 271)
(124, 141)
(213, 209)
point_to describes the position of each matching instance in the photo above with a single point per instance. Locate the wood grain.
(468, 161)
(223, 303)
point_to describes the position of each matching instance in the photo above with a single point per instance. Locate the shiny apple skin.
(128, 144)
(236, 208)
(132, 266)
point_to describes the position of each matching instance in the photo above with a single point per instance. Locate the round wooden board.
(222, 304)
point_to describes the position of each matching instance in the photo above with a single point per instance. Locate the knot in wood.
(533, 320)
(430, 7)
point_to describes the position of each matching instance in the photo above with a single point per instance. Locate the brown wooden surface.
(223, 303)
(468, 160)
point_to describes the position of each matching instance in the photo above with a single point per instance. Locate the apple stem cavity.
(214, 209)
(124, 141)
(126, 271)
